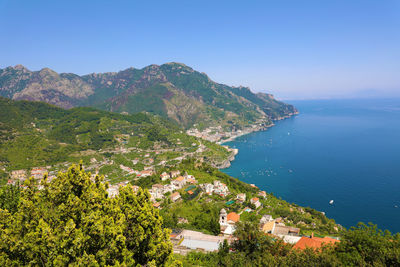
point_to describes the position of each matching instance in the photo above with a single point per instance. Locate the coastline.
(255, 129)
(235, 151)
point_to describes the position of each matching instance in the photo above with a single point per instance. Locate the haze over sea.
(342, 150)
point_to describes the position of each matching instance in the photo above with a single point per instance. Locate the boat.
(331, 202)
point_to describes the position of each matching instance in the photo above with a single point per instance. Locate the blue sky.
(294, 49)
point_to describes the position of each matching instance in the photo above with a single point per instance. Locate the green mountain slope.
(39, 134)
(171, 90)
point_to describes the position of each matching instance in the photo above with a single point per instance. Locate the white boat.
(331, 202)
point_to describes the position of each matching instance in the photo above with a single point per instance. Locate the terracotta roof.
(268, 226)
(180, 179)
(157, 186)
(315, 242)
(190, 192)
(233, 216)
(254, 199)
(175, 194)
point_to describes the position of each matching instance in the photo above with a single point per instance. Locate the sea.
(344, 152)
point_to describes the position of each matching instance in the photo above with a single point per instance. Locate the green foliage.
(366, 245)
(9, 197)
(72, 221)
(360, 246)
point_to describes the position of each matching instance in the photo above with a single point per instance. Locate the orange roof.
(156, 205)
(190, 192)
(233, 216)
(180, 179)
(175, 194)
(314, 242)
(268, 226)
(254, 199)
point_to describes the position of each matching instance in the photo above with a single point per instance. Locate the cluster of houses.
(113, 190)
(148, 171)
(216, 187)
(158, 191)
(291, 235)
(276, 227)
(36, 172)
(212, 134)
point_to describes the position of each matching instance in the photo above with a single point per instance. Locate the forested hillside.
(171, 90)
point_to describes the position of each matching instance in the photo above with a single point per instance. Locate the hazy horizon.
(292, 49)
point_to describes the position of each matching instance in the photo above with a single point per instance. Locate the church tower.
(223, 217)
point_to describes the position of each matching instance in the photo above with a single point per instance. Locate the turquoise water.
(342, 150)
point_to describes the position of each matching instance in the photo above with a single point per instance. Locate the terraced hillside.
(35, 134)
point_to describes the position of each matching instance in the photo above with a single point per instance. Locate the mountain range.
(172, 90)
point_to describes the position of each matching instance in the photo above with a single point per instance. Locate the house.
(262, 194)
(158, 187)
(38, 172)
(157, 205)
(175, 196)
(18, 175)
(220, 188)
(266, 218)
(314, 242)
(135, 188)
(179, 182)
(285, 230)
(268, 227)
(198, 241)
(146, 173)
(113, 190)
(157, 191)
(148, 168)
(175, 174)
(256, 202)
(227, 222)
(165, 176)
(241, 197)
(233, 218)
(169, 188)
(207, 188)
(290, 239)
(191, 180)
(127, 169)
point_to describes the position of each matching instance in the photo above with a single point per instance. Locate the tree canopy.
(72, 221)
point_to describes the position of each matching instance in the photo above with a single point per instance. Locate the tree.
(72, 221)
(367, 245)
(9, 197)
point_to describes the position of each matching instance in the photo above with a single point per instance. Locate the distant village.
(218, 135)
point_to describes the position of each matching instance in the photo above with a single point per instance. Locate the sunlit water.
(347, 151)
